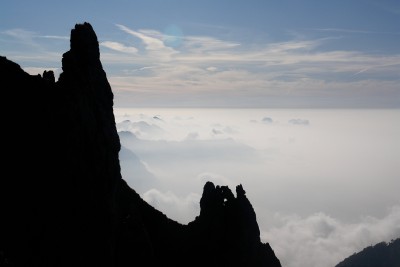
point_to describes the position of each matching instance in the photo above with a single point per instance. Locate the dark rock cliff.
(63, 201)
(380, 255)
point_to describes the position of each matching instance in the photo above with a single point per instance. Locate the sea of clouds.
(323, 183)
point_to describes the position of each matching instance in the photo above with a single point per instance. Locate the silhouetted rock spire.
(60, 192)
(63, 201)
(227, 226)
(49, 76)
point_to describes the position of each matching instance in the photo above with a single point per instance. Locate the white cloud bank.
(320, 240)
(183, 209)
(321, 192)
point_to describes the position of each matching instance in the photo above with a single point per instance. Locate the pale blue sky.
(222, 53)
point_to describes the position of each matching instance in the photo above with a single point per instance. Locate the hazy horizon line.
(257, 107)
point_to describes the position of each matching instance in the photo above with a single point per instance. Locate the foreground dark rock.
(380, 255)
(63, 201)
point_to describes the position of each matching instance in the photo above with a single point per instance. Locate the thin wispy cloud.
(342, 30)
(35, 54)
(119, 47)
(292, 46)
(20, 33)
(36, 57)
(23, 36)
(154, 46)
(143, 68)
(339, 30)
(58, 37)
(28, 37)
(205, 43)
(391, 63)
(150, 42)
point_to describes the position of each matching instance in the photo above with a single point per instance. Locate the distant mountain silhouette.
(142, 179)
(380, 255)
(63, 200)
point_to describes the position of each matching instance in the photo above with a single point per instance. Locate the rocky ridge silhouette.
(379, 255)
(63, 200)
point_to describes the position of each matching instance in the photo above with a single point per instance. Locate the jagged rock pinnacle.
(84, 43)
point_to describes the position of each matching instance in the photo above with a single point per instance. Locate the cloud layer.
(320, 240)
(323, 183)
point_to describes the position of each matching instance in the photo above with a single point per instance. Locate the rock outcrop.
(380, 255)
(63, 200)
(227, 230)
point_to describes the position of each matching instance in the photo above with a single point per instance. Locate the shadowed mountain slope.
(380, 255)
